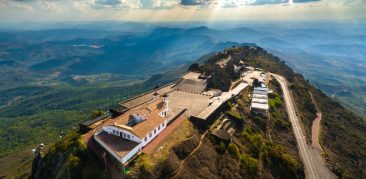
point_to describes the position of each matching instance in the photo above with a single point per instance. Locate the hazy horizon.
(181, 10)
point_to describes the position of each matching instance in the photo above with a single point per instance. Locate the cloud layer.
(171, 10)
(153, 4)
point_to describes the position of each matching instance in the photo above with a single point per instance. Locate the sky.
(180, 10)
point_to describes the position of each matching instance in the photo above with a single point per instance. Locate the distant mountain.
(341, 49)
(149, 53)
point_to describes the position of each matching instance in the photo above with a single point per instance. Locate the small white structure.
(259, 103)
(130, 132)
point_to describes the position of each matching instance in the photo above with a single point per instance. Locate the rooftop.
(193, 102)
(260, 96)
(94, 120)
(117, 144)
(150, 111)
(217, 101)
(260, 106)
(143, 98)
(192, 85)
(222, 134)
(191, 75)
(259, 100)
(261, 88)
(260, 92)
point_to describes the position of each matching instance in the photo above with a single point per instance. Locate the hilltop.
(261, 146)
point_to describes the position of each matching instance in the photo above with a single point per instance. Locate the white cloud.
(170, 10)
(131, 4)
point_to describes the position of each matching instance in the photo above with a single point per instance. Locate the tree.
(194, 67)
(234, 150)
(96, 113)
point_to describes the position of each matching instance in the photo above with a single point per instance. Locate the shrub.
(222, 147)
(194, 67)
(250, 165)
(281, 163)
(235, 116)
(96, 113)
(234, 150)
(253, 140)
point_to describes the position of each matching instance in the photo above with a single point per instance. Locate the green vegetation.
(267, 146)
(234, 150)
(221, 77)
(249, 165)
(235, 116)
(42, 116)
(264, 146)
(273, 156)
(274, 102)
(281, 163)
(277, 111)
(69, 157)
(38, 114)
(343, 136)
(254, 141)
(96, 113)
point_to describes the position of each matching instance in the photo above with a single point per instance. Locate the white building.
(125, 136)
(259, 103)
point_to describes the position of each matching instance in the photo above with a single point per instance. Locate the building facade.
(129, 133)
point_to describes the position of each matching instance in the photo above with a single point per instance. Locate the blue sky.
(181, 10)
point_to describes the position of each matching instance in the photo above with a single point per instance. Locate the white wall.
(132, 153)
(124, 159)
(118, 132)
(149, 139)
(107, 148)
(164, 113)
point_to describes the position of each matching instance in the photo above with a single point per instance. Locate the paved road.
(315, 129)
(314, 165)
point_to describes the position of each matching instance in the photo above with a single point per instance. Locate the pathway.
(314, 164)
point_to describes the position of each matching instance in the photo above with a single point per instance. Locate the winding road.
(314, 165)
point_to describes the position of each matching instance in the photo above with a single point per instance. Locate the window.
(145, 139)
(124, 135)
(159, 128)
(128, 135)
(150, 134)
(162, 125)
(154, 131)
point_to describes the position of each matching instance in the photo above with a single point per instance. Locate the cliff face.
(68, 157)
